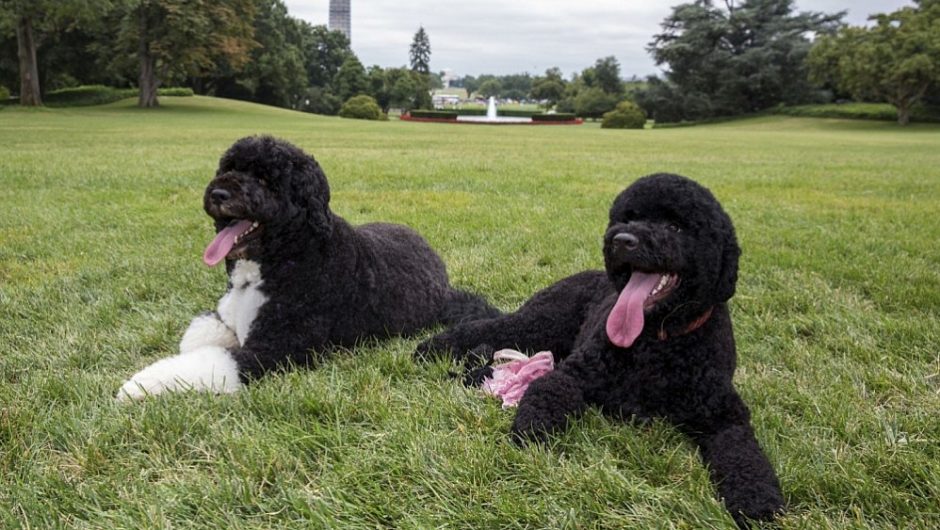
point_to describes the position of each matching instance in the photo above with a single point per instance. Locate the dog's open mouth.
(231, 240)
(642, 292)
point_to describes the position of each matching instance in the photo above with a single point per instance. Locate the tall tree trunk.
(904, 113)
(148, 81)
(29, 70)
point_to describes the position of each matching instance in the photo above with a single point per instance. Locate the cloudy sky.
(504, 37)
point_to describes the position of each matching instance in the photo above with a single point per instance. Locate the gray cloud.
(500, 37)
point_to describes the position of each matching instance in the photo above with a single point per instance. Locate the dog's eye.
(673, 227)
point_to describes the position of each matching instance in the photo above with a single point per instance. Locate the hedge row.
(558, 116)
(436, 114)
(859, 111)
(99, 95)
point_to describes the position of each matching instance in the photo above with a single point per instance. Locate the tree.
(275, 73)
(31, 19)
(326, 51)
(351, 79)
(470, 84)
(378, 88)
(550, 88)
(176, 39)
(402, 88)
(593, 103)
(420, 52)
(742, 58)
(606, 74)
(897, 60)
(490, 88)
(276, 68)
(436, 80)
(319, 100)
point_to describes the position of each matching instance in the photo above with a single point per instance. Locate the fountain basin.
(496, 119)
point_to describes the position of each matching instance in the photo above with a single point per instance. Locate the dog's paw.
(210, 369)
(524, 434)
(207, 329)
(764, 507)
(474, 377)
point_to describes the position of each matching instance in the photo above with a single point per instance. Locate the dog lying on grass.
(300, 279)
(649, 338)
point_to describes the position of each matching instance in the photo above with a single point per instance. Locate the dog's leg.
(549, 321)
(462, 341)
(207, 329)
(742, 473)
(546, 407)
(209, 368)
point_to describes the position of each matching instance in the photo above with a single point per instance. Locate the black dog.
(651, 337)
(300, 278)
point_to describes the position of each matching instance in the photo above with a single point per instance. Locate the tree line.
(243, 49)
(718, 58)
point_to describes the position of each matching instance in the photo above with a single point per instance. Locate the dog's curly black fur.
(681, 365)
(327, 283)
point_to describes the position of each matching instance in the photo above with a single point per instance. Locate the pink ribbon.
(512, 376)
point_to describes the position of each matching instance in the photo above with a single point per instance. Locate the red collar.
(694, 325)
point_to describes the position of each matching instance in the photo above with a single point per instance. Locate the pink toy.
(511, 378)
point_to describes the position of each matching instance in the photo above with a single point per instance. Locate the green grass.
(837, 319)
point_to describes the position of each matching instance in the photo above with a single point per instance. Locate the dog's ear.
(310, 191)
(728, 270)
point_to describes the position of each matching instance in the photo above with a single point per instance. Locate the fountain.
(491, 109)
(491, 116)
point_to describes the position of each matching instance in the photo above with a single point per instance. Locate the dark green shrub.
(361, 107)
(627, 115)
(558, 116)
(435, 114)
(178, 91)
(4, 93)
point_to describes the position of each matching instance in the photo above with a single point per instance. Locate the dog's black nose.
(626, 240)
(218, 195)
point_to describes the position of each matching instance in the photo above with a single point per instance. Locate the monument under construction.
(340, 18)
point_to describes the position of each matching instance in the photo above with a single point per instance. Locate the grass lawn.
(837, 319)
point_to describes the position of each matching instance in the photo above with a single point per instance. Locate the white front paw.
(210, 368)
(207, 330)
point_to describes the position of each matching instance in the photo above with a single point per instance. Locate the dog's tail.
(461, 306)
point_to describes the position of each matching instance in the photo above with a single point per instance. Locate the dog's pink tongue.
(223, 243)
(625, 321)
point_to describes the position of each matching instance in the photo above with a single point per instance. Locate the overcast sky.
(472, 37)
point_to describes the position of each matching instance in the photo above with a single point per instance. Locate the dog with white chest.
(301, 279)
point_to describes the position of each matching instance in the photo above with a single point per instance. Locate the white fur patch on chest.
(239, 307)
